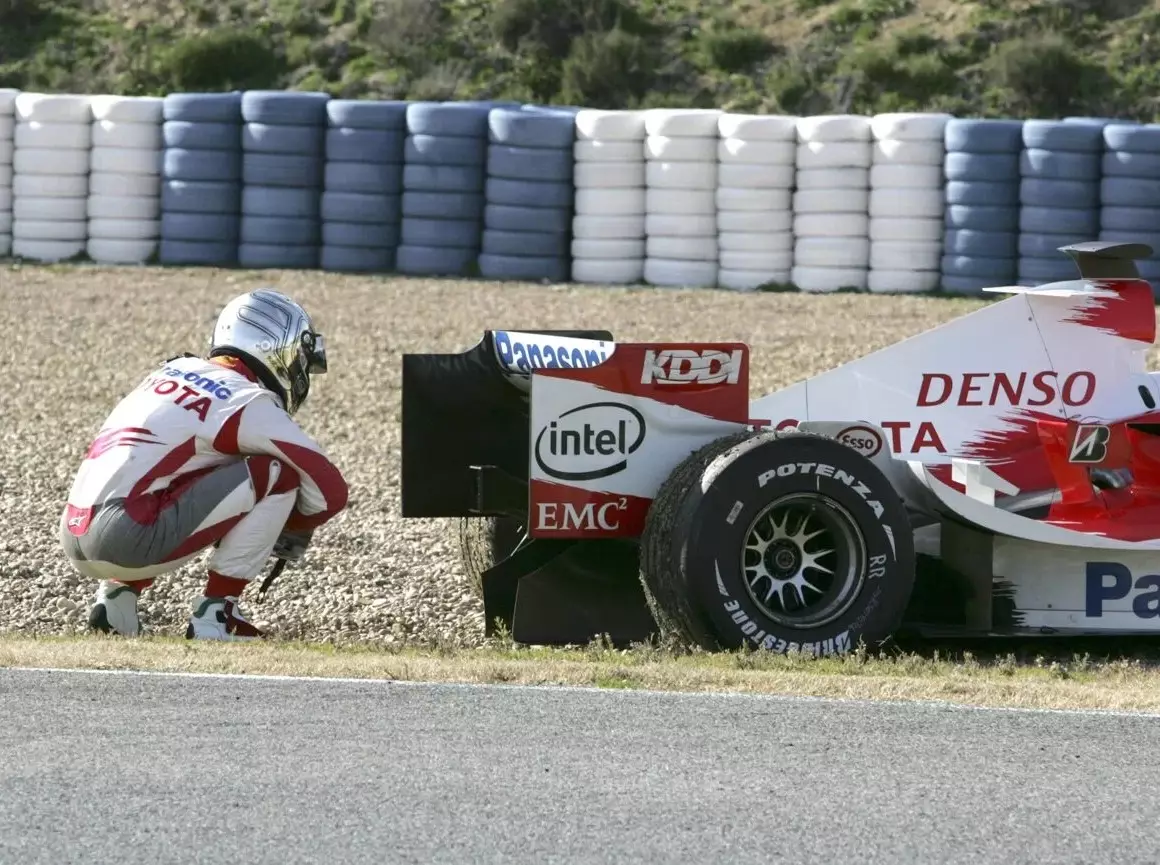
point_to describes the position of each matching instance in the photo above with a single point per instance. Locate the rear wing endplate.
(464, 427)
(1095, 259)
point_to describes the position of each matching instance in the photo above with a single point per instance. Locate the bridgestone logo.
(825, 470)
(1090, 444)
(838, 645)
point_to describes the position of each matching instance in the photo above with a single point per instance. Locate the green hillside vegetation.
(1044, 58)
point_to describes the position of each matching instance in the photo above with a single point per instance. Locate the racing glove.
(291, 546)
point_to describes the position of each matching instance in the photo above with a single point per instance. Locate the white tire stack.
(756, 155)
(124, 206)
(831, 222)
(608, 216)
(7, 130)
(50, 186)
(681, 197)
(906, 202)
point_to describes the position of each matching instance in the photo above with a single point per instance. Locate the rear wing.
(466, 410)
(1099, 262)
(605, 438)
(1099, 259)
(562, 428)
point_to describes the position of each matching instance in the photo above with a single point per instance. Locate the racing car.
(996, 475)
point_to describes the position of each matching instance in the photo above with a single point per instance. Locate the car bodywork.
(1023, 438)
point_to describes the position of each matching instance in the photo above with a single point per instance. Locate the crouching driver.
(206, 453)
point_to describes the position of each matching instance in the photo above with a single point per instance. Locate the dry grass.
(1079, 684)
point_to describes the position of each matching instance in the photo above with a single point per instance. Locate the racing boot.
(220, 619)
(115, 609)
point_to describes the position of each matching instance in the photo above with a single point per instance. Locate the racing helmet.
(273, 335)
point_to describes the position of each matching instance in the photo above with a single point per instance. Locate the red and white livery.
(205, 453)
(1020, 444)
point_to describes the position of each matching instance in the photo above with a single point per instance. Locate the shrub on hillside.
(1044, 75)
(17, 13)
(733, 49)
(552, 25)
(888, 79)
(223, 60)
(409, 30)
(542, 38)
(17, 16)
(608, 70)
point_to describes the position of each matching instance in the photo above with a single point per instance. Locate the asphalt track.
(126, 768)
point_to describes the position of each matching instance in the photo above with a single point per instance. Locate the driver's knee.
(271, 476)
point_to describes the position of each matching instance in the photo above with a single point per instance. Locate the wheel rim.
(803, 560)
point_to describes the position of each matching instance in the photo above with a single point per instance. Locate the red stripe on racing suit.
(186, 419)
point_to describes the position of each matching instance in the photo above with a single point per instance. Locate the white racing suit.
(199, 454)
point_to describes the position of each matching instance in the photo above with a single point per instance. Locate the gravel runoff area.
(80, 337)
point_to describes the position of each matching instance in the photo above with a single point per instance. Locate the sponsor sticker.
(1005, 389)
(589, 441)
(686, 366)
(861, 438)
(202, 382)
(588, 517)
(1113, 581)
(1090, 444)
(520, 353)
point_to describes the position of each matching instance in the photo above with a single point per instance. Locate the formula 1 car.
(996, 475)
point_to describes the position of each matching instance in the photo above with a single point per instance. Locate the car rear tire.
(781, 541)
(483, 542)
(486, 541)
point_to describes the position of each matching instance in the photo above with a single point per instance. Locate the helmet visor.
(315, 347)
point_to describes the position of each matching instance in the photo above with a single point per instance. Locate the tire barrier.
(362, 185)
(283, 154)
(124, 204)
(1059, 195)
(7, 131)
(981, 170)
(445, 159)
(756, 158)
(201, 178)
(504, 190)
(906, 202)
(1130, 190)
(528, 195)
(608, 228)
(50, 184)
(831, 205)
(680, 197)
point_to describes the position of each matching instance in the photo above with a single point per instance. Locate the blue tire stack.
(1059, 196)
(283, 142)
(201, 179)
(363, 185)
(444, 158)
(527, 218)
(981, 168)
(1130, 191)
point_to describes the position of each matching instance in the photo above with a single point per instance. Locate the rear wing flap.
(465, 438)
(1096, 260)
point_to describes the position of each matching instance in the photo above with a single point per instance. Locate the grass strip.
(1081, 683)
